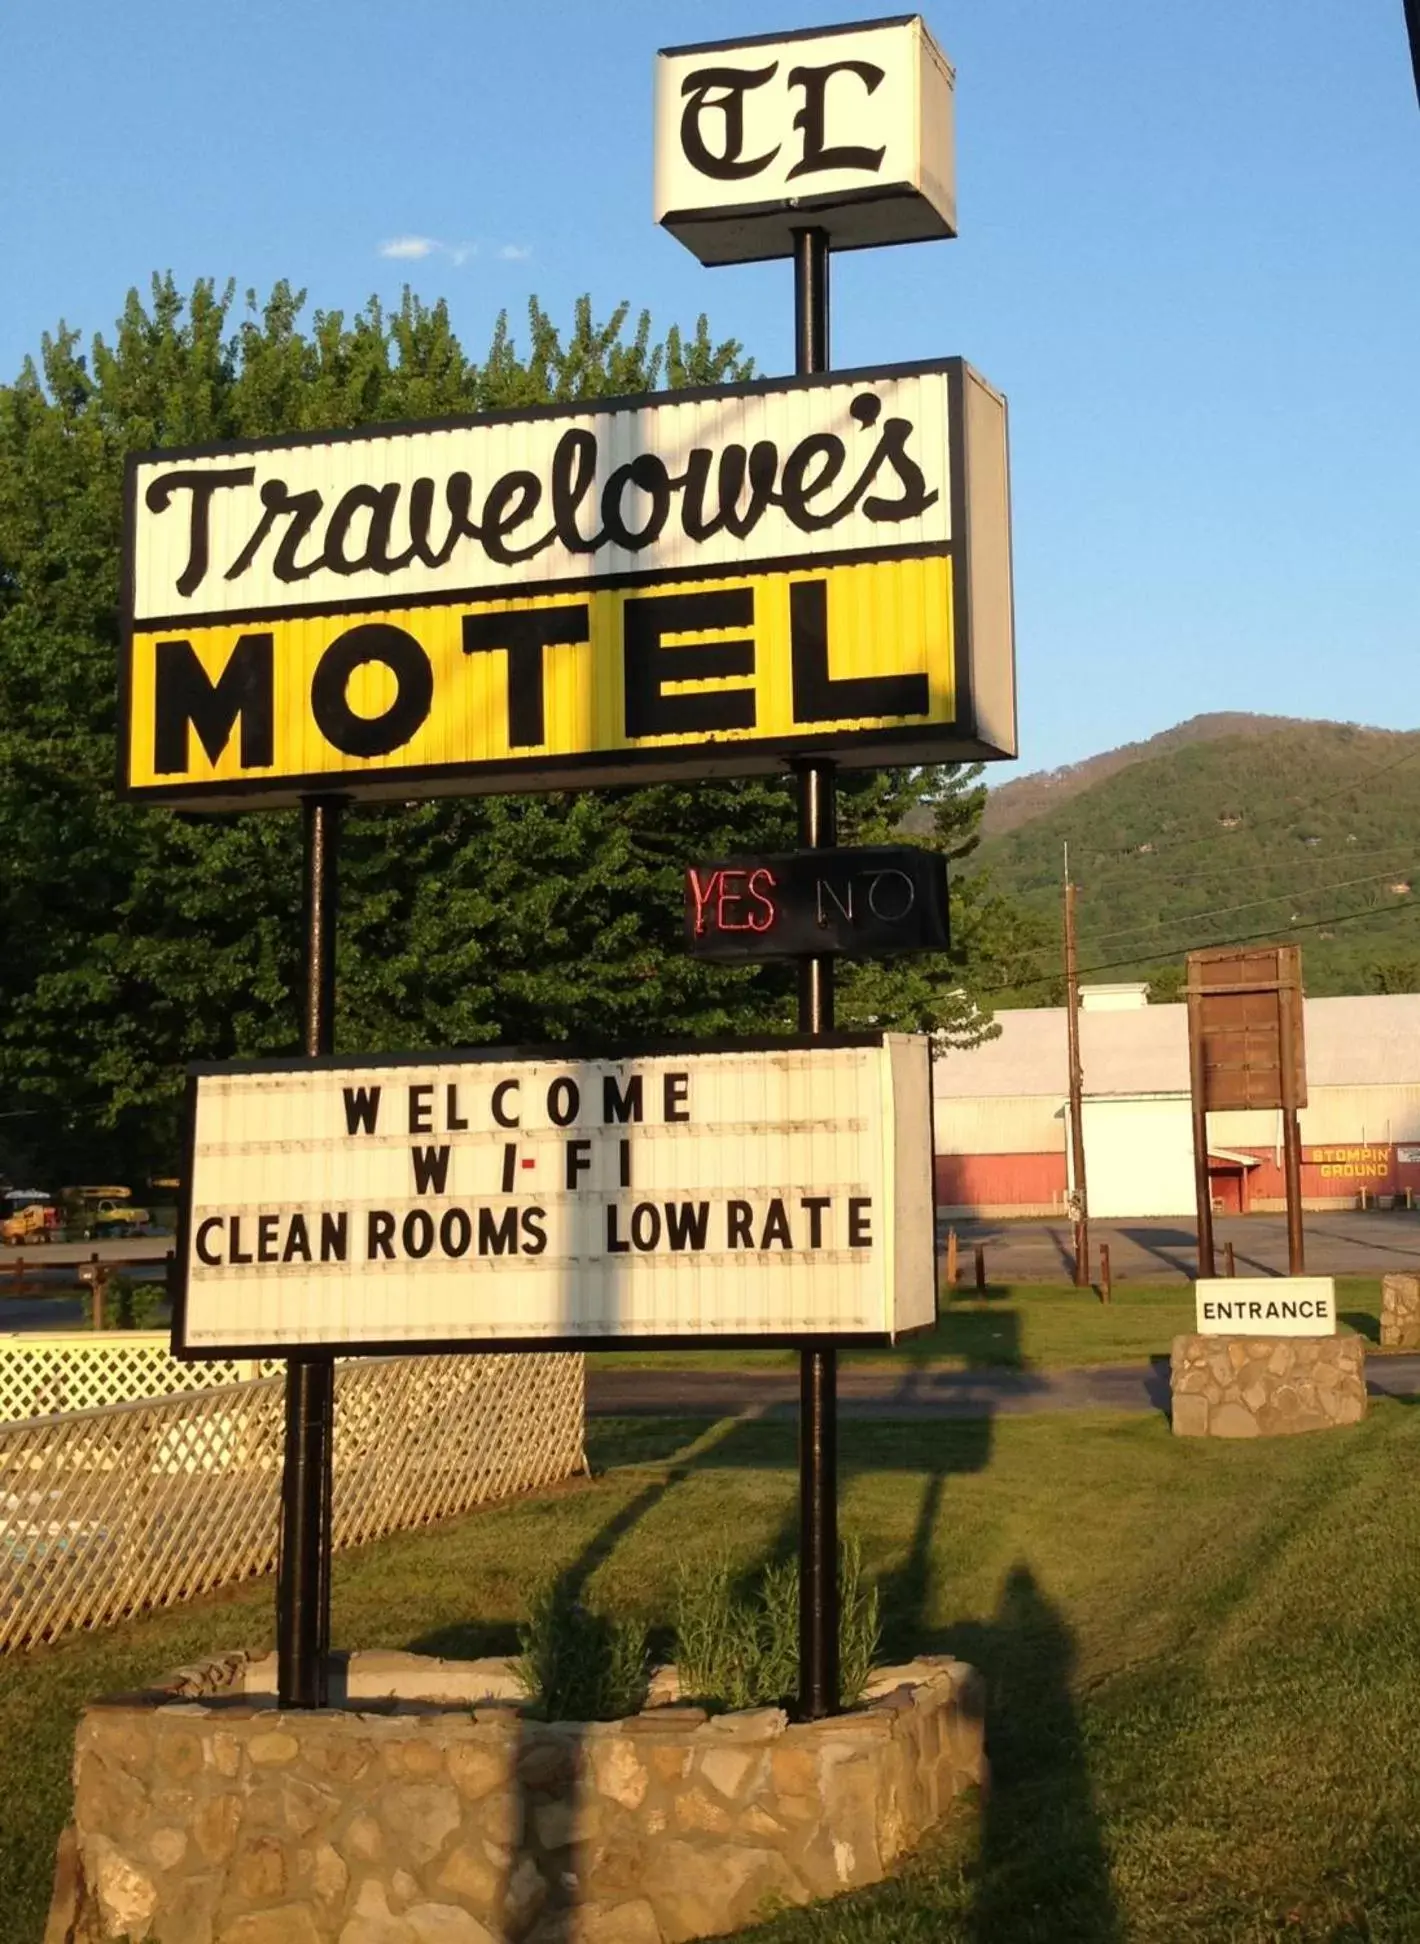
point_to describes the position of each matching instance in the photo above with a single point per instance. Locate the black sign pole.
(818, 1364)
(303, 1567)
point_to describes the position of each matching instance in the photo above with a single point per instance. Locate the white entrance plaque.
(775, 1192)
(1267, 1306)
(849, 129)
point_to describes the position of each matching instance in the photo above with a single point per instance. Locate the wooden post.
(1202, 1188)
(1077, 1087)
(981, 1265)
(1230, 1267)
(100, 1274)
(1106, 1286)
(1287, 999)
(951, 1258)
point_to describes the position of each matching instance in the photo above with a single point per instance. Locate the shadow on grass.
(1042, 1873)
(981, 1326)
(1363, 1323)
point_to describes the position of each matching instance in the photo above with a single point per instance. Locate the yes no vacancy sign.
(779, 1191)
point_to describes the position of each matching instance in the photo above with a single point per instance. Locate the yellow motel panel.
(862, 621)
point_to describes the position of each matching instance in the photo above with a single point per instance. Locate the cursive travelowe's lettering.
(821, 481)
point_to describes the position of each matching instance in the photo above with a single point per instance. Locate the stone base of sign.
(1400, 1312)
(1266, 1387)
(430, 1810)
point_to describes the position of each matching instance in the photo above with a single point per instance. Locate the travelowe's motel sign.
(689, 584)
(773, 1191)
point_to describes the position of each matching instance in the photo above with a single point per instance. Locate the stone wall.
(1266, 1387)
(430, 1810)
(1400, 1312)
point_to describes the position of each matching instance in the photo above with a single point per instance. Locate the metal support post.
(303, 1567)
(818, 1366)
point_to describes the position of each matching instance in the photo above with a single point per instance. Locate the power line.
(1224, 911)
(1222, 866)
(1246, 938)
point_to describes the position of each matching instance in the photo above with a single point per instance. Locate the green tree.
(138, 939)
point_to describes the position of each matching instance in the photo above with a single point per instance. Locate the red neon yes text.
(720, 898)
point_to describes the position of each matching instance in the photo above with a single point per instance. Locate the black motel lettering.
(241, 699)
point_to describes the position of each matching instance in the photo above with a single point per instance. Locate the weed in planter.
(742, 1650)
(578, 1665)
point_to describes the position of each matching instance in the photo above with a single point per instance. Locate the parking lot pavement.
(1337, 1244)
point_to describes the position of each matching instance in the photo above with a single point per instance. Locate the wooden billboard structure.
(1247, 1050)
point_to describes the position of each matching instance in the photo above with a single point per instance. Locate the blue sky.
(1189, 254)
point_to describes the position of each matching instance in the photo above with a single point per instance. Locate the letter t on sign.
(523, 633)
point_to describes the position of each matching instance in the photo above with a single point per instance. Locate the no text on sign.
(690, 584)
(857, 902)
(772, 1192)
(849, 128)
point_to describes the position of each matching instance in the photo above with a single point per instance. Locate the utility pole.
(1077, 1087)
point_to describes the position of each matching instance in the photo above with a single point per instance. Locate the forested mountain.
(1025, 797)
(1307, 831)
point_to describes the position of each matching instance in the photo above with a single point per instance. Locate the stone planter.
(429, 1810)
(1400, 1312)
(1265, 1387)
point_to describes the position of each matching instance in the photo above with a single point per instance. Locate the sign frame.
(496, 1056)
(978, 548)
(923, 870)
(1260, 1292)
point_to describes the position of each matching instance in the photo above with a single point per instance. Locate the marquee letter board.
(773, 1192)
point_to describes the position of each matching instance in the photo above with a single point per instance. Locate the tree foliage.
(138, 939)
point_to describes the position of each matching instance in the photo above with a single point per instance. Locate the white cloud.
(409, 248)
(413, 249)
(515, 252)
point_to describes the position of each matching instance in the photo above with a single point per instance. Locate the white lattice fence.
(43, 1375)
(106, 1512)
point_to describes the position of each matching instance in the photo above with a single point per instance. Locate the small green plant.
(578, 1665)
(741, 1650)
(129, 1305)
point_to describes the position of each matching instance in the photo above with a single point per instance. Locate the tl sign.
(847, 127)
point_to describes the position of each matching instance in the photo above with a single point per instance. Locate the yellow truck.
(28, 1222)
(96, 1213)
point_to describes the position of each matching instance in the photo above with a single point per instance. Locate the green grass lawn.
(1201, 1658)
(1029, 1326)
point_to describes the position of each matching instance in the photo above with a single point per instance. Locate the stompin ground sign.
(855, 903)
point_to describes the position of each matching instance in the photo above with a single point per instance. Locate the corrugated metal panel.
(1358, 1043)
(1000, 1126)
(1001, 1181)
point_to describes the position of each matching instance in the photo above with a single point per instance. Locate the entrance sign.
(1267, 1306)
(691, 584)
(850, 128)
(776, 1192)
(861, 903)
